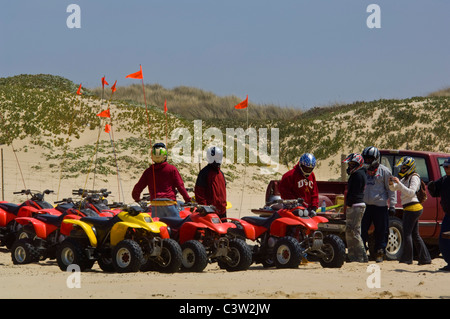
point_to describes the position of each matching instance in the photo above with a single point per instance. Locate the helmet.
(355, 161)
(307, 162)
(159, 153)
(371, 156)
(214, 154)
(407, 166)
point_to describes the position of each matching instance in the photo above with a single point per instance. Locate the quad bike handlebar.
(201, 209)
(86, 192)
(64, 200)
(35, 195)
(287, 203)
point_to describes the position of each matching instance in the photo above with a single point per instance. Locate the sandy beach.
(46, 280)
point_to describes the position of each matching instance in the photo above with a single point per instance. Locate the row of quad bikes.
(124, 238)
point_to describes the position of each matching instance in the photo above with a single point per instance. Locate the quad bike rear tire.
(194, 256)
(334, 248)
(240, 255)
(287, 253)
(24, 252)
(171, 257)
(127, 256)
(69, 252)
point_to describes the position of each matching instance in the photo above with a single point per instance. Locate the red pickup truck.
(427, 165)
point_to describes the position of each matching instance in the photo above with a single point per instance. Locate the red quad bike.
(203, 236)
(40, 236)
(9, 212)
(288, 234)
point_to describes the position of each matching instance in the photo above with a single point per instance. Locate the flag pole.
(165, 115)
(98, 137)
(245, 167)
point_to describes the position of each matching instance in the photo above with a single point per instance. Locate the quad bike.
(9, 212)
(39, 236)
(203, 236)
(128, 242)
(288, 234)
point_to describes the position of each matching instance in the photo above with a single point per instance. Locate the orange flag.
(105, 113)
(242, 105)
(79, 90)
(135, 75)
(165, 106)
(113, 88)
(104, 82)
(107, 128)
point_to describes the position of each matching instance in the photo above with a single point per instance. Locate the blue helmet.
(307, 162)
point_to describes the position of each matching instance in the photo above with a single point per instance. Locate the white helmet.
(214, 154)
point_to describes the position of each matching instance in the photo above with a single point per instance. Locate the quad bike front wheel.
(127, 256)
(194, 256)
(288, 253)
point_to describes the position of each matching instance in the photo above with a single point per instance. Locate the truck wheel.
(334, 249)
(194, 257)
(69, 252)
(24, 252)
(394, 246)
(288, 253)
(127, 256)
(170, 259)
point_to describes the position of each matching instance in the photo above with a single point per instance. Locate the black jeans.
(413, 239)
(379, 216)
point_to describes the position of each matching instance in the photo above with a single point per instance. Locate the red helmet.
(355, 161)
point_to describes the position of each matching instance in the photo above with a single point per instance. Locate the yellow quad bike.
(128, 242)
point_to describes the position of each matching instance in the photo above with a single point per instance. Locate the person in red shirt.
(162, 180)
(300, 182)
(210, 187)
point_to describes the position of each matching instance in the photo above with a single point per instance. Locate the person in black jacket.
(441, 188)
(355, 208)
(210, 187)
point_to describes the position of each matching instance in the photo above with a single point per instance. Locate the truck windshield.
(421, 165)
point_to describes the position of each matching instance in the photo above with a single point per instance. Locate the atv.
(39, 237)
(41, 234)
(128, 242)
(286, 234)
(9, 212)
(203, 236)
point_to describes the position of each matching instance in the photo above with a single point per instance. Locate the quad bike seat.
(50, 219)
(260, 221)
(174, 222)
(10, 207)
(98, 221)
(64, 207)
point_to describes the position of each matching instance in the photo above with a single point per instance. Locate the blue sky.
(291, 53)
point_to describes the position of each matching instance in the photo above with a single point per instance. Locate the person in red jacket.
(162, 180)
(300, 182)
(210, 187)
